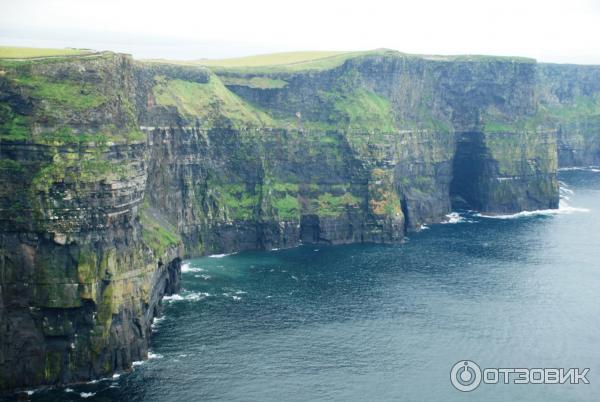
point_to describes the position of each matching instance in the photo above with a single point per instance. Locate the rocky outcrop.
(82, 269)
(114, 170)
(569, 97)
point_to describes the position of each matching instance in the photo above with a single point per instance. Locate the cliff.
(83, 266)
(113, 170)
(569, 97)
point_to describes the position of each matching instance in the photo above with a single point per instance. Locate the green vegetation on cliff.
(254, 82)
(13, 127)
(75, 95)
(360, 110)
(157, 234)
(212, 103)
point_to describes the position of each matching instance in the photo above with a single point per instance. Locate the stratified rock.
(111, 171)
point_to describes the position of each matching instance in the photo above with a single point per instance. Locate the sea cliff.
(113, 170)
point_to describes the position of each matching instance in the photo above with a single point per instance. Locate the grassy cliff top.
(320, 60)
(9, 52)
(280, 62)
(272, 59)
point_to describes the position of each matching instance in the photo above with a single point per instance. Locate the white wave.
(30, 392)
(69, 390)
(191, 269)
(274, 249)
(190, 296)
(87, 394)
(563, 208)
(116, 376)
(185, 267)
(240, 292)
(233, 296)
(203, 276)
(423, 227)
(564, 189)
(455, 217)
(137, 363)
(174, 297)
(219, 255)
(196, 296)
(152, 355)
(595, 169)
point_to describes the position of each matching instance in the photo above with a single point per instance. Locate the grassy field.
(278, 62)
(9, 52)
(273, 59)
(316, 60)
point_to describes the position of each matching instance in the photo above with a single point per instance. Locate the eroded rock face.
(81, 276)
(570, 100)
(112, 171)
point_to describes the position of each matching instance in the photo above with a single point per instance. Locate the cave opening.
(468, 167)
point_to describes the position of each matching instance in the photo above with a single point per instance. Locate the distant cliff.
(569, 97)
(113, 170)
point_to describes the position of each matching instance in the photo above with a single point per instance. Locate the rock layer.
(113, 170)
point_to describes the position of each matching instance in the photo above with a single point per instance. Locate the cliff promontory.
(112, 170)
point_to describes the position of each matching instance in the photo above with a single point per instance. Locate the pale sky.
(566, 31)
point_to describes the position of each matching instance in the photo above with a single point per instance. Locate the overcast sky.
(565, 31)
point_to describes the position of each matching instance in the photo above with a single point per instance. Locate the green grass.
(287, 207)
(272, 59)
(361, 110)
(479, 58)
(254, 82)
(499, 127)
(331, 205)
(68, 93)
(321, 60)
(239, 202)
(14, 127)
(579, 108)
(281, 62)
(158, 237)
(11, 166)
(212, 102)
(9, 52)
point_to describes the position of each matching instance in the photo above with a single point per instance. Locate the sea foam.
(563, 208)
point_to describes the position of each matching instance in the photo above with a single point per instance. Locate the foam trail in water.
(220, 255)
(191, 296)
(191, 269)
(595, 169)
(563, 208)
(152, 355)
(456, 217)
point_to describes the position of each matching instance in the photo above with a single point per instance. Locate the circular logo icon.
(465, 375)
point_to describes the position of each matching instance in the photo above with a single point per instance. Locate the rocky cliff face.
(113, 170)
(82, 268)
(569, 97)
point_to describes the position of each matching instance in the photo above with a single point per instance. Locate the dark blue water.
(373, 322)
